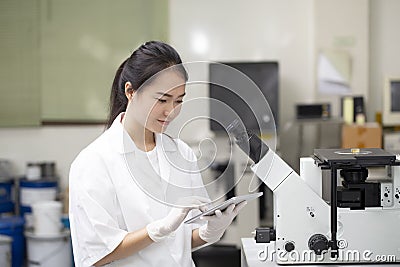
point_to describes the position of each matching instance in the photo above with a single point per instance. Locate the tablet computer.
(234, 200)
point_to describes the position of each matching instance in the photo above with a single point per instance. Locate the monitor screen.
(395, 96)
(265, 75)
(391, 101)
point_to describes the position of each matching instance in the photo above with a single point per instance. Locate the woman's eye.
(179, 101)
(162, 100)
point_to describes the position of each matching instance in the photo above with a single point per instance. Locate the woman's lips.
(164, 123)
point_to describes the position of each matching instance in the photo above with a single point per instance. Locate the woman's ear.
(129, 92)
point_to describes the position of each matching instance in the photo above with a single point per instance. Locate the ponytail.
(118, 100)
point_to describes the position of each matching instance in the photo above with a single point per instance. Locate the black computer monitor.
(266, 77)
(391, 101)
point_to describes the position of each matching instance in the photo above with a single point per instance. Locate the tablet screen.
(234, 200)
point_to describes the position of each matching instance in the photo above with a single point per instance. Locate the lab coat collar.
(124, 144)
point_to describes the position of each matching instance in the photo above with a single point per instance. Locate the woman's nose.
(169, 109)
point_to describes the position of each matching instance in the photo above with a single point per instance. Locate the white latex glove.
(217, 224)
(160, 229)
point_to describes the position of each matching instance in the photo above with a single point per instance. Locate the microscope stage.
(354, 157)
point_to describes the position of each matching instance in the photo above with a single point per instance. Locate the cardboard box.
(368, 135)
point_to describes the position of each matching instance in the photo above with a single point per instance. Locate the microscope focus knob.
(318, 243)
(289, 246)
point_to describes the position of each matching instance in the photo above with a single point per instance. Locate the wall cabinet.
(19, 63)
(74, 49)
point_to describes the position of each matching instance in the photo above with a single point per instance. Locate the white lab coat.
(107, 201)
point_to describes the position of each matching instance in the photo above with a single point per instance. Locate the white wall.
(342, 25)
(254, 30)
(291, 32)
(50, 143)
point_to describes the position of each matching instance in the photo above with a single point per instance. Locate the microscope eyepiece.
(250, 143)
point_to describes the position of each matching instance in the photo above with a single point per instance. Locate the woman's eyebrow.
(169, 95)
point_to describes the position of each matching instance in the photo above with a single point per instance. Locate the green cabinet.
(19, 63)
(79, 45)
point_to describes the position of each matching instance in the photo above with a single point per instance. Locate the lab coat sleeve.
(92, 210)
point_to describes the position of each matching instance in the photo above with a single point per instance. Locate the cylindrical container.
(5, 251)
(32, 192)
(49, 251)
(33, 171)
(48, 171)
(5, 170)
(7, 196)
(13, 227)
(47, 217)
(35, 191)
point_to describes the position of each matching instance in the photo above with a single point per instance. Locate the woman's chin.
(158, 129)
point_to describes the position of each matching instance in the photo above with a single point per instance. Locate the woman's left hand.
(218, 223)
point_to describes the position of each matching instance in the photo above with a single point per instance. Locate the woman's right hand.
(159, 229)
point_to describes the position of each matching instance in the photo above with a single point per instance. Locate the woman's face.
(159, 102)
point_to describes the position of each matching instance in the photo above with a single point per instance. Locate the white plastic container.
(5, 251)
(32, 192)
(49, 251)
(33, 171)
(47, 218)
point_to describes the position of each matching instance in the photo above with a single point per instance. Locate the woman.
(118, 203)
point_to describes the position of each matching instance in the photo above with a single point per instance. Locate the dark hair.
(146, 61)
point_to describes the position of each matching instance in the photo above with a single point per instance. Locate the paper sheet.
(334, 72)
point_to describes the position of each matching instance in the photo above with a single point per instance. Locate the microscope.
(358, 222)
